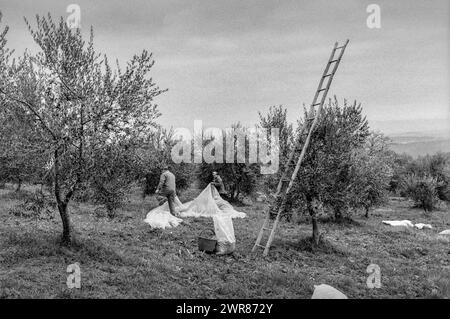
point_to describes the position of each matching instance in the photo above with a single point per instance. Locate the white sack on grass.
(445, 232)
(327, 292)
(207, 204)
(421, 226)
(223, 227)
(404, 223)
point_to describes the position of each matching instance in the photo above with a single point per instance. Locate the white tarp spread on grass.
(160, 217)
(207, 204)
(421, 226)
(406, 223)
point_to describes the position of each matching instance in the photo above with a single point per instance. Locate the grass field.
(124, 258)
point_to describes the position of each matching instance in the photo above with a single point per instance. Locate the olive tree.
(325, 177)
(371, 173)
(78, 104)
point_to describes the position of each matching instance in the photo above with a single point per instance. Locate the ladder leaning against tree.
(288, 177)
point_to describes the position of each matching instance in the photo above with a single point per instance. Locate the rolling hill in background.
(417, 137)
(416, 144)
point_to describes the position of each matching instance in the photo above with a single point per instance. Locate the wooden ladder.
(288, 177)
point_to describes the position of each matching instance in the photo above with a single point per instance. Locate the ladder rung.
(265, 228)
(258, 245)
(310, 118)
(327, 75)
(316, 104)
(341, 47)
(334, 61)
(321, 90)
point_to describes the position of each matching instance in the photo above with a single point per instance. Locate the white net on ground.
(207, 204)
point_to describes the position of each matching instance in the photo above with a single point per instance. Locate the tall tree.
(276, 117)
(371, 173)
(239, 174)
(325, 176)
(78, 104)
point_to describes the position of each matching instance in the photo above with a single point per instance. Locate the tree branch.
(30, 107)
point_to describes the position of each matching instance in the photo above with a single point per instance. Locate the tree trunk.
(238, 191)
(19, 184)
(315, 225)
(337, 214)
(66, 238)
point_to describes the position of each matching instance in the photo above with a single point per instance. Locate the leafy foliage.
(421, 189)
(371, 173)
(426, 180)
(326, 173)
(116, 171)
(345, 166)
(277, 118)
(77, 106)
(156, 153)
(438, 166)
(399, 165)
(240, 178)
(35, 205)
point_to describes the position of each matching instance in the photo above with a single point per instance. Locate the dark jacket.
(218, 183)
(166, 183)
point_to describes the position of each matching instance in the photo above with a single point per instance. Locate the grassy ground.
(124, 258)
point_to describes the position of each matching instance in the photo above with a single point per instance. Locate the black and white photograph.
(224, 157)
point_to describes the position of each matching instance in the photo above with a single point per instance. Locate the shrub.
(110, 195)
(439, 167)
(399, 164)
(35, 205)
(116, 171)
(422, 190)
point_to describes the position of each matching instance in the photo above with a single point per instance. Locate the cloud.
(225, 60)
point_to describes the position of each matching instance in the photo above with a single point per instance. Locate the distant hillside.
(419, 144)
(420, 127)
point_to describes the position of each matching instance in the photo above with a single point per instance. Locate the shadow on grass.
(306, 244)
(29, 245)
(16, 195)
(344, 221)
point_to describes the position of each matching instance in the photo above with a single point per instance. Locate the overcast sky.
(223, 61)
